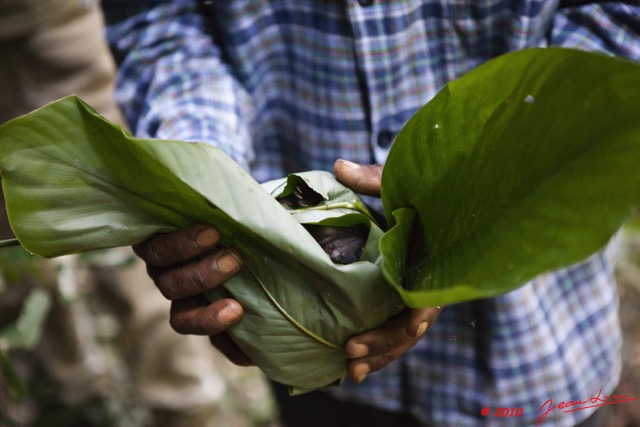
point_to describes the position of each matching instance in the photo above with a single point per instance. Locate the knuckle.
(183, 282)
(177, 325)
(393, 341)
(153, 256)
(167, 288)
(154, 273)
(140, 249)
(137, 249)
(149, 252)
(163, 250)
(207, 323)
(195, 276)
(389, 357)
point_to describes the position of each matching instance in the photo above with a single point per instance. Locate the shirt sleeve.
(173, 84)
(609, 27)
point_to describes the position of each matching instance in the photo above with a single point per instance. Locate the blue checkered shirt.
(292, 85)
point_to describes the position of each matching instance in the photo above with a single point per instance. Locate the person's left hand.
(375, 349)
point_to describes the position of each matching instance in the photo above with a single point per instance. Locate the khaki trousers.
(108, 328)
(68, 56)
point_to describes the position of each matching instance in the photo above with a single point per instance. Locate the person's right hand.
(184, 265)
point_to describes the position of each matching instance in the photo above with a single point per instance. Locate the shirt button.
(385, 138)
(365, 3)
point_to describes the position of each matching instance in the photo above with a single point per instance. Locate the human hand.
(363, 179)
(184, 265)
(375, 349)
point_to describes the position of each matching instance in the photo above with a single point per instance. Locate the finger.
(198, 277)
(375, 349)
(408, 326)
(196, 317)
(358, 369)
(230, 349)
(167, 249)
(364, 179)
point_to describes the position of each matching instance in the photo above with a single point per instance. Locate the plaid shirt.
(291, 85)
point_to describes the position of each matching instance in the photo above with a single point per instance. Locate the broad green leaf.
(74, 182)
(524, 165)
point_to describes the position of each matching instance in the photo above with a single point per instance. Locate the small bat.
(343, 244)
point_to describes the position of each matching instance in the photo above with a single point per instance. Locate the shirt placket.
(366, 21)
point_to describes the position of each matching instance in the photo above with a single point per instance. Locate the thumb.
(364, 179)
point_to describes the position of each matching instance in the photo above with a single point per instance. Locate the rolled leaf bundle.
(524, 165)
(74, 182)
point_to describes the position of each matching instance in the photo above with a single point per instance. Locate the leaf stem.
(288, 316)
(9, 242)
(354, 205)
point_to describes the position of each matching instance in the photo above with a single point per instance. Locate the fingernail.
(228, 263)
(207, 237)
(348, 164)
(359, 379)
(360, 372)
(421, 328)
(358, 350)
(228, 314)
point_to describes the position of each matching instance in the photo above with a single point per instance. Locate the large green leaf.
(74, 182)
(524, 165)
